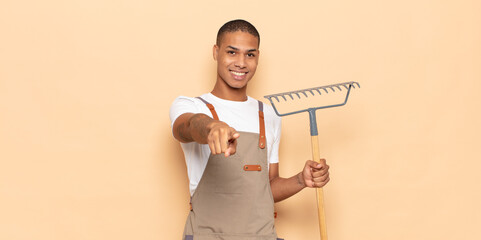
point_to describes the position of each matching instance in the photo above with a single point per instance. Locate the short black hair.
(238, 25)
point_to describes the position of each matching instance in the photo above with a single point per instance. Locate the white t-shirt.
(242, 116)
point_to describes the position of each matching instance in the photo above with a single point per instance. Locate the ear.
(215, 51)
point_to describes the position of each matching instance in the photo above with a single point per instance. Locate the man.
(230, 142)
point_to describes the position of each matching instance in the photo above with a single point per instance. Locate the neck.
(228, 93)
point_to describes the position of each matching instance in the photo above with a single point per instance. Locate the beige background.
(85, 88)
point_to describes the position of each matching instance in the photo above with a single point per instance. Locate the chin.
(237, 85)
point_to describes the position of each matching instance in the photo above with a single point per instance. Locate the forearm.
(193, 128)
(283, 188)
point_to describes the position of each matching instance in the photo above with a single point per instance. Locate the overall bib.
(233, 200)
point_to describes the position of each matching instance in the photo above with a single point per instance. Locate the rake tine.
(347, 85)
(332, 87)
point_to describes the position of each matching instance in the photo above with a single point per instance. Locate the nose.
(240, 61)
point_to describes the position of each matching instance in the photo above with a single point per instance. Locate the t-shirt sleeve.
(274, 154)
(180, 106)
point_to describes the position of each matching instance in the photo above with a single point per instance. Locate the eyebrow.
(237, 49)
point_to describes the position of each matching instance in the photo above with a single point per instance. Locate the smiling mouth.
(238, 73)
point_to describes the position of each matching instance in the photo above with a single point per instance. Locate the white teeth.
(238, 73)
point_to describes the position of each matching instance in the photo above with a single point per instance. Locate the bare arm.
(200, 128)
(190, 127)
(314, 175)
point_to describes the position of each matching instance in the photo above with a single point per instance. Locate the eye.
(251, 55)
(231, 52)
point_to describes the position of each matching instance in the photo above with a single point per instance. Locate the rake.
(304, 93)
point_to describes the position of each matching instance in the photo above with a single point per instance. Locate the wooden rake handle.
(316, 157)
(319, 192)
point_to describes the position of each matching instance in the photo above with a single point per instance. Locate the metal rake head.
(311, 91)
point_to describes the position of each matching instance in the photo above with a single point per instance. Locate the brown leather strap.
(262, 127)
(252, 168)
(211, 108)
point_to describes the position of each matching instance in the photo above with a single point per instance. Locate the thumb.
(235, 135)
(313, 164)
(231, 149)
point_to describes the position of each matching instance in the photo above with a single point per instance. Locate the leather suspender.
(262, 127)
(211, 108)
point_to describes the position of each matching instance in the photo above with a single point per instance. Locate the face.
(237, 58)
